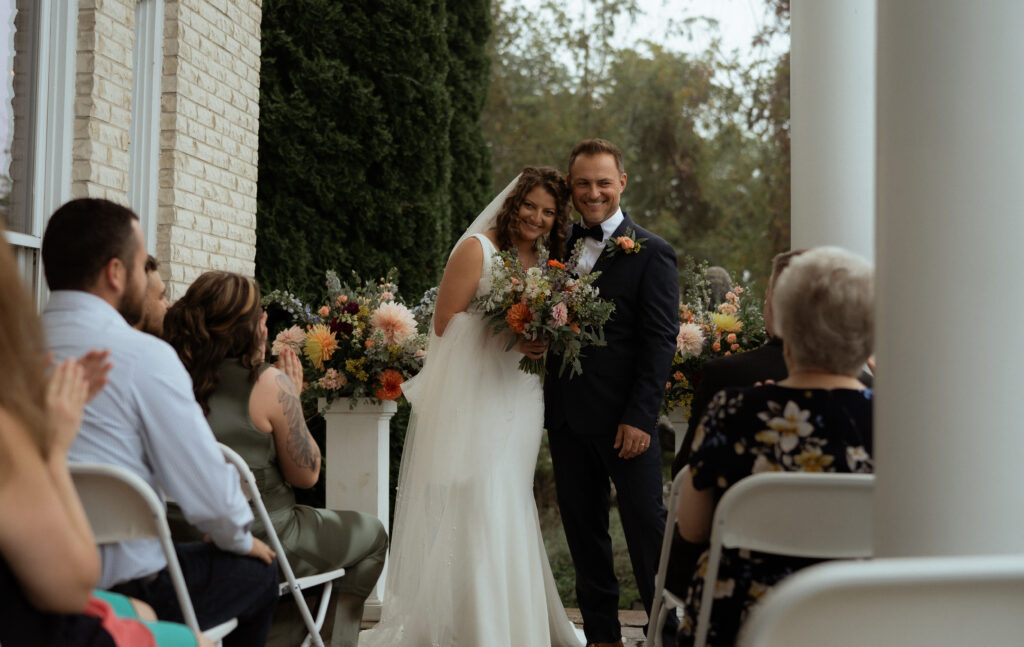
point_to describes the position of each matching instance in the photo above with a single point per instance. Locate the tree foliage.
(370, 143)
(705, 138)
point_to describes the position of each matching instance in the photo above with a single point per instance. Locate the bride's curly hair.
(530, 178)
(218, 318)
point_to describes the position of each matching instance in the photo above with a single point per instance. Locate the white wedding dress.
(468, 566)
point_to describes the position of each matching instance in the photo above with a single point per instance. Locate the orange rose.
(734, 347)
(324, 311)
(390, 385)
(731, 338)
(575, 327)
(518, 316)
(625, 242)
(554, 263)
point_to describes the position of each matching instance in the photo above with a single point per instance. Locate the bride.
(468, 566)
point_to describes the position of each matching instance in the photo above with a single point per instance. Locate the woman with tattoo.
(219, 331)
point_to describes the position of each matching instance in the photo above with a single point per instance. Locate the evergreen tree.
(369, 137)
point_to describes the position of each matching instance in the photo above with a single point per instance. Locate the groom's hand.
(631, 442)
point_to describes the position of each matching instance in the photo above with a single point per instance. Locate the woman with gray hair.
(818, 419)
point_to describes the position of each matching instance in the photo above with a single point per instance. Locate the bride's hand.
(534, 349)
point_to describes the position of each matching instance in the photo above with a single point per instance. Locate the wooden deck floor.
(632, 625)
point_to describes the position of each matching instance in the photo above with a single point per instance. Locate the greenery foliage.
(364, 109)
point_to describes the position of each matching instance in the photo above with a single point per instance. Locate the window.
(144, 151)
(38, 45)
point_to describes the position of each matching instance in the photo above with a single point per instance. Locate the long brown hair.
(218, 318)
(23, 379)
(531, 177)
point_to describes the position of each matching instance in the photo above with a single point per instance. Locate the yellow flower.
(355, 368)
(812, 460)
(726, 323)
(320, 344)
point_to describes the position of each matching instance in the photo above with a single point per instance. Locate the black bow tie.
(594, 232)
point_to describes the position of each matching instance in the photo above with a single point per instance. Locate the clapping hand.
(67, 391)
(95, 369)
(289, 364)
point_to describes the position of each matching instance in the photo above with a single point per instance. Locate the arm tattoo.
(297, 444)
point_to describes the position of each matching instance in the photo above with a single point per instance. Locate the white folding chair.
(665, 600)
(798, 514)
(911, 602)
(121, 506)
(291, 583)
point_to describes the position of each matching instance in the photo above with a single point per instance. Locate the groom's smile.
(596, 184)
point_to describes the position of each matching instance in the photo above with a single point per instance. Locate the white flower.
(789, 428)
(690, 339)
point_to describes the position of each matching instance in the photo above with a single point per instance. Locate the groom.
(602, 424)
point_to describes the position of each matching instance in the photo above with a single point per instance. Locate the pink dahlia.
(690, 339)
(559, 315)
(289, 338)
(395, 321)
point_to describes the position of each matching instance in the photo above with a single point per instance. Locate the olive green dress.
(314, 539)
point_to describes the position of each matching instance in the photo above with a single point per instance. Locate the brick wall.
(103, 94)
(206, 218)
(209, 138)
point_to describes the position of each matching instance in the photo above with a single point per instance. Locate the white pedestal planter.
(357, 455)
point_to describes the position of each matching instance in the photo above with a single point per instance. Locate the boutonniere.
(628, 244)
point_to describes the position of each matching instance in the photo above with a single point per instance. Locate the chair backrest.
(659, 611)
(121, 506)
(798, 514)
(291, 583)
(911, 602)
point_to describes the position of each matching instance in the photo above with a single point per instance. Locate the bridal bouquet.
(708, 330)
(546, 302)
(362, 343)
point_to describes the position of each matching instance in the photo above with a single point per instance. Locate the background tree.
(369, 138)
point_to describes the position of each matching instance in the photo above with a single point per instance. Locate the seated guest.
(155, 305)
(818, 419)
(220, 333)
(48, 558)
(147, 420)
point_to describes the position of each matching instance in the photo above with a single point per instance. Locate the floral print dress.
(762, 429)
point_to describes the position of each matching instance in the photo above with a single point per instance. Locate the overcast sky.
(738, 21)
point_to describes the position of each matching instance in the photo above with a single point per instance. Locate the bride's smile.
(536, 215)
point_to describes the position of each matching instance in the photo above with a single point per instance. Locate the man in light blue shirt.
(147, 420)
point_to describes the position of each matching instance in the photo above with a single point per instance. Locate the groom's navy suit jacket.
(624, 381)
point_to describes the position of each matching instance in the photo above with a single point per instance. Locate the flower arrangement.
(708, 330)
(362, 343)
(546, 302)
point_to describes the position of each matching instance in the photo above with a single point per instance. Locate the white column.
(832, 121)
(949, 428)
(358, 466)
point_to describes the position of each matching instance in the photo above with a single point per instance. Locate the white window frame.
(54, 41)
(144, 150)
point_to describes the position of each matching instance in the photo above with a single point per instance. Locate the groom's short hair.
(596, 146)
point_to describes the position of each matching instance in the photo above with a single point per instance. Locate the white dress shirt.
(147, 419)
(592, 249)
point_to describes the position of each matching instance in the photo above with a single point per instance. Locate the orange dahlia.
(320, 345)
(518, 316)
(390, 385)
